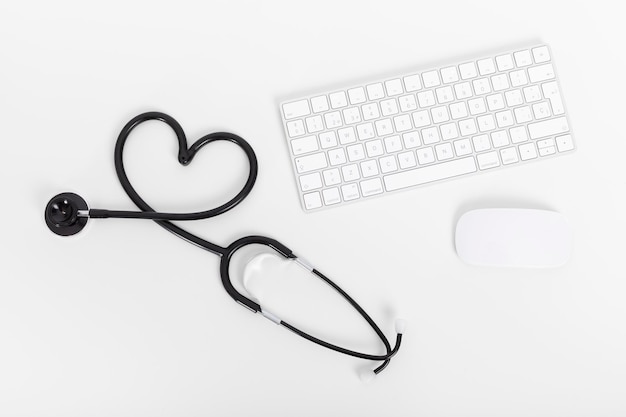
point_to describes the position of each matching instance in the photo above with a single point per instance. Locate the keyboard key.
(425, 156)
(449, 75)
(551, 92)
(370, 111)
(513, 98)
(431, 79)
(545, 143)
(541, 73)
(346, 136)
(402, 123)
(331, 177)
(412, 83)
(319, 104)
(311, 162)
(296, 109)
(314, 124)
(523, 58)
(486, 123)
(532, 93)
(393, 144)
(444, 94)
(337, 157)
(356, 152)
(550, 150)
(500, 82)
(462, 147)
(564, 143)
(541, 54)
(440, 114)
(523, 114)
(389, 107)
(383, 127)
(350, 192)
(499, 138)
(407, 160)
(327, 140)
(548, 128)
(430, 135)
(310, 181)
(505, 62)
(333, 120)
(458, 110)
(369, 168)
(388, 164)
(467, 127)
(304, 145)
(374, 148)
(371, 187)
(463, 90)
(375, 91)
(486, 66)
(518, 134)
(488, 160)
(505, 118)
(352, 115)
(546, 147)
(527, 151)
(365, 131)
(468, 70)
(481, 143)
(477, 106)
(411, 140)
(518, 78)
(407, 103)
(394, 87)
(541, 110)
(495, 102)
(449, 131)
(295, 128)
(338, 100)
(421, 118)
(331, 196)
(357, 95)
(444, 151)
(430, 173)
(509, 156)
(312, 201)
(426, 98)
(350, 172)
(481, 86)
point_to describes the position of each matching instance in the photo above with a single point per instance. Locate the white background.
(127, 320)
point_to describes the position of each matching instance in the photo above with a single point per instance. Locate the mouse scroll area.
(513, 238)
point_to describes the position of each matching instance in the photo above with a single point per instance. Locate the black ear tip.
(62, 214)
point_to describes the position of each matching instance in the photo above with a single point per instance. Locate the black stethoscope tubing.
(185, 156)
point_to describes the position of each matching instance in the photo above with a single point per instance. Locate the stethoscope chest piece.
(65, 214)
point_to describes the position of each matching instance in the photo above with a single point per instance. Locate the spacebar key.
(430, 173)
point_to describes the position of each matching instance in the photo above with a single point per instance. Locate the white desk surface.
(126, 320)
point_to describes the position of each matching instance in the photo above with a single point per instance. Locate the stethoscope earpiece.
(66, 214)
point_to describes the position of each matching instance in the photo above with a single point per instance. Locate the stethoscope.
(67, 214)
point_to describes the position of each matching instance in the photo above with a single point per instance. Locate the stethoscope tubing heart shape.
(67, 214)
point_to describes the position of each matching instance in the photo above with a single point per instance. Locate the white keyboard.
(401, 132)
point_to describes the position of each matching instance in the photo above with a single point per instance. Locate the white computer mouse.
(513, 238)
